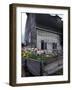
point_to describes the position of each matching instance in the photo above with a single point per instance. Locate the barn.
(45, 32)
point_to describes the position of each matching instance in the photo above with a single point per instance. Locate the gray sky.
(24, 18)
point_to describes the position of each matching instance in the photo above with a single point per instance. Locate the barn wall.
(31, 33)
(49, 38)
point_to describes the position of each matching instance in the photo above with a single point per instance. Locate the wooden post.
(41, 68)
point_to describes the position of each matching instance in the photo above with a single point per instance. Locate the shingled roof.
(48, 21)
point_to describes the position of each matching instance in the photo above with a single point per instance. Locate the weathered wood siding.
(49, 38)
(31, 33)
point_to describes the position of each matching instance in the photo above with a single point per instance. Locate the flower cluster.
(35, 53)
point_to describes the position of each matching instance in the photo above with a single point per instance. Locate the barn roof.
(48, 21)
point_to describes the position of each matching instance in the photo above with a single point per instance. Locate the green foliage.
(32, 55)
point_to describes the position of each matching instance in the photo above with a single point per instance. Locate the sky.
(24, 18)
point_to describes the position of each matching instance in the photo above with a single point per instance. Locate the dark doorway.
(42, 44)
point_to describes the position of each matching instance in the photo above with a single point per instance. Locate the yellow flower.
(26, 54)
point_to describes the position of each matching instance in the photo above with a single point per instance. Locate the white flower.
(40, 52)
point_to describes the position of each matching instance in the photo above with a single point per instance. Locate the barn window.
(54, 45)
(45, 45)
